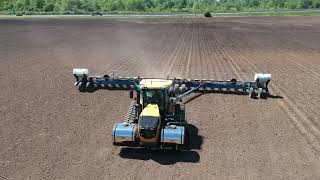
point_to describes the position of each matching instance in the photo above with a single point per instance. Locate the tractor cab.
(154, 104)
(155, 91)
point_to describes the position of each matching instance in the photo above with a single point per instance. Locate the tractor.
(156, 118)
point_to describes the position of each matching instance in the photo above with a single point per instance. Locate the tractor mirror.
(131, 94)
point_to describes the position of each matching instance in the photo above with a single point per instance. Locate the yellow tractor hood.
(151, 110)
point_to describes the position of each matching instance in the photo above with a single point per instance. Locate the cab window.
(152, 96)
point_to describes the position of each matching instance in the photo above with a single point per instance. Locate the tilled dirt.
(48, 130)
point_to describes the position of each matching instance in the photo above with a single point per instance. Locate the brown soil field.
(48, 130)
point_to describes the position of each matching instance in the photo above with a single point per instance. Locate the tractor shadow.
(195, 140)
(270, 96)
(168, 156)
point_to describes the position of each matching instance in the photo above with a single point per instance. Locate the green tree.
(316, 3)
(112, 5)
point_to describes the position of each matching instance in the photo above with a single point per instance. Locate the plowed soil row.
(48, 130)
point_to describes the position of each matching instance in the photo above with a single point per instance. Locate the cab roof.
(150, 110)
(155, 83)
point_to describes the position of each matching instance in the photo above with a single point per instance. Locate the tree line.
(150, 6)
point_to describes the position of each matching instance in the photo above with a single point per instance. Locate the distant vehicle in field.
(97, 14)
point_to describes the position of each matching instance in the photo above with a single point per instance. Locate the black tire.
(82, 87)
(90, 87)
(106, 76)
(251, 93)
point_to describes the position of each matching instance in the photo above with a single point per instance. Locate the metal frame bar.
(206, 85)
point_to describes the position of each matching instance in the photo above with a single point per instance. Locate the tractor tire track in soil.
(304, 124)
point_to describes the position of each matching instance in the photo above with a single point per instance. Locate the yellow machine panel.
(151, 116)
(155, 83)
(151, 110)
